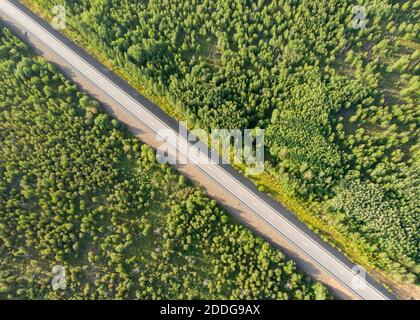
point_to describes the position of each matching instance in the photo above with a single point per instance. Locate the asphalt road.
(328, 258)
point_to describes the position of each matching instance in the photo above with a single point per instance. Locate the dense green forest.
(77, 190)
(340, 105)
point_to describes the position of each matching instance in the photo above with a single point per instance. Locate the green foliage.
(76, 190)
(340, 105)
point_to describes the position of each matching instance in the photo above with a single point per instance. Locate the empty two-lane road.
(323, 255)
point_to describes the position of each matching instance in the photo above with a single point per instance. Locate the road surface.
(326, 257)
